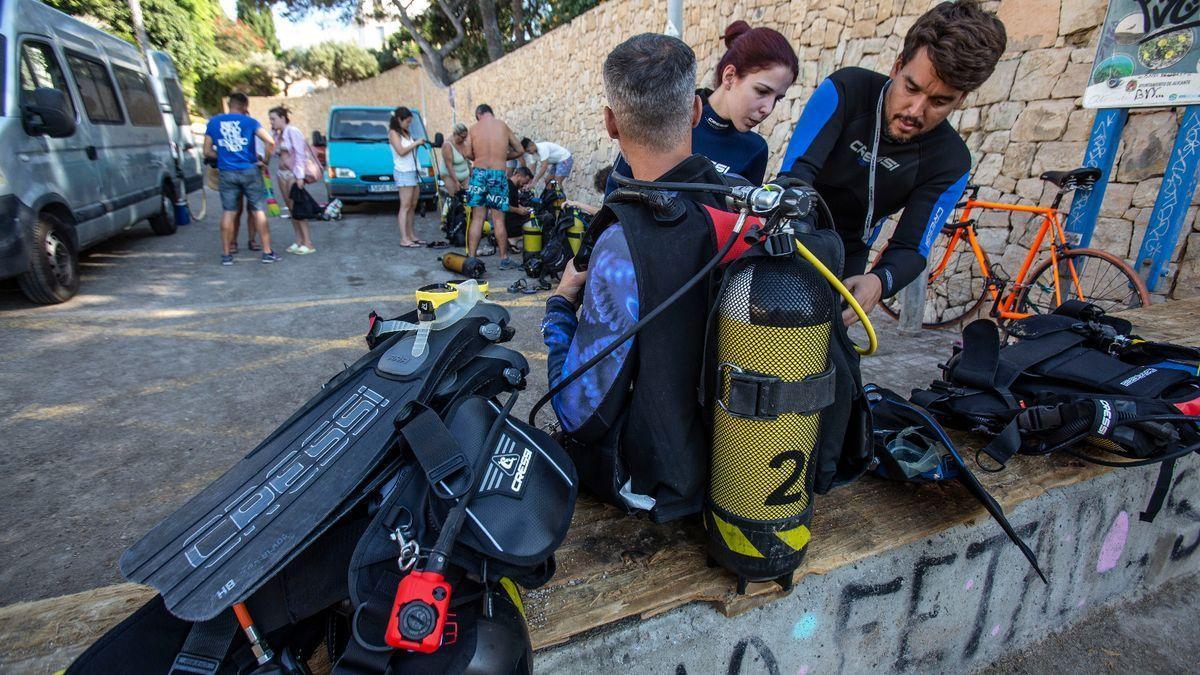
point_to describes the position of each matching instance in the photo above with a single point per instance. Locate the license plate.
(389, 187)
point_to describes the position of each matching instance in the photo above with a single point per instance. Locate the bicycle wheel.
(1104, 280)
(197, 203)
(953, 294)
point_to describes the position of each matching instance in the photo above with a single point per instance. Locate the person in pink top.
(294, 155)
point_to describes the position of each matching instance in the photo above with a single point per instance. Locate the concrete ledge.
(954, 601)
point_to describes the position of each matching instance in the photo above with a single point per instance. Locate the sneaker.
(293, 248)
(269, 257)
(508, 264)
(305, 250)
(227, 260)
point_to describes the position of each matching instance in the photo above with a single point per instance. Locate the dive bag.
(1072, 376)
(788, 414)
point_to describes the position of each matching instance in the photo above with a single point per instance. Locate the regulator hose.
(872, 341)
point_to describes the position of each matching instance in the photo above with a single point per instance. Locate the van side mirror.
(318, 139)
(438, 140)
(47, 113)
(166, 108)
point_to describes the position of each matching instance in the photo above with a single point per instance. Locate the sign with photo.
(1149, 55)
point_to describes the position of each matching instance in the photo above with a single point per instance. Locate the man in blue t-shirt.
(230, 139)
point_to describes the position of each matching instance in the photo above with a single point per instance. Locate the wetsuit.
(924, 176)
(743, 153)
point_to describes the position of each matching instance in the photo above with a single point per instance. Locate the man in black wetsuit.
(921, 164)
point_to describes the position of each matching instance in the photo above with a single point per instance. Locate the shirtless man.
(489, 145)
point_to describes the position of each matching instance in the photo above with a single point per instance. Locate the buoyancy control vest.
(647, 445)
(1072, 376)
(789, 416)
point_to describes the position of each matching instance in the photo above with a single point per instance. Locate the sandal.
(411, 244)
(441, 243)
(253, 246)
(521, 286)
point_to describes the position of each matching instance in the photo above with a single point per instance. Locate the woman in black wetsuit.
(750, 79)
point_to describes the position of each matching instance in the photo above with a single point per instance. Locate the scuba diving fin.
(222, 545)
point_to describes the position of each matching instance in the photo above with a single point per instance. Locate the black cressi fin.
(239, 531)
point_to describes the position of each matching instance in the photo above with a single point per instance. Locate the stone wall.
(1026, 119)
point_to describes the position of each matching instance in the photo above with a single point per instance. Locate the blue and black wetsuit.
(742, 153)
(924, 176)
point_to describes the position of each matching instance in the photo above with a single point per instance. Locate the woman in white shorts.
(293, 154)
(404, 170)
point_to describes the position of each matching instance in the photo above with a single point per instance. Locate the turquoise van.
(360, 159)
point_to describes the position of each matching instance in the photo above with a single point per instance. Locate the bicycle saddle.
(1084, 176)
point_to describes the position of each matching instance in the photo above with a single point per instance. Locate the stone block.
(1077, 15)
(1057, 156)
(996, 141)
(1187, 280)
(1037, 73)
(1146, 145)
(1026, 22)
(1079, 126)
(1117, 199)
(885, 28)
(988, 169)
(1146, 192)
(1043, 121)
(1113, 235)
(999, 85)
(1002, 116)
(993, 220)
(968, 120)
(1083, 55)
(1018, 159)
(1004, 184)
(991, 239)
(1073, 81)
(1030, 190)
(862, 29)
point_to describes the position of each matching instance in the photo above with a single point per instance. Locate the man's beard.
(887, 129)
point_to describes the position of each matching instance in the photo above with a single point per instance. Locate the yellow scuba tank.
(531, 238)
(460, 263)
(774, 323)
(575, 230)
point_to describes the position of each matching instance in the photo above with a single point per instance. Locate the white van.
(185, 149)
(86, 153)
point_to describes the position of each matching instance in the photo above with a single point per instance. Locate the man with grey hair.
(633, 423)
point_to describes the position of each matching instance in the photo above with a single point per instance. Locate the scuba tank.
(531, 237)
(460, 263)
(575, 229)
(763, 447)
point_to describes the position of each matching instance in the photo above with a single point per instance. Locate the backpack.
(454, 218)
(1072, 376)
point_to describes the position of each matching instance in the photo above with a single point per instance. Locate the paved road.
(167, 368)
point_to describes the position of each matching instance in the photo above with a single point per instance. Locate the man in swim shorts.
(489, 145)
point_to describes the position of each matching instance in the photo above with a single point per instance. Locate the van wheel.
(163, 222)
(53, 274)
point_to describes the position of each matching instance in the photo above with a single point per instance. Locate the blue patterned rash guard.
(610, 307)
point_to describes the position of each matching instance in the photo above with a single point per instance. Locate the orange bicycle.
(959, 284)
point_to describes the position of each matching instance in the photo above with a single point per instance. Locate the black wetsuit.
(743, 153)
(924, 176)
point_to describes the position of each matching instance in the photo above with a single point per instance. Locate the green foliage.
(256, 14)
(338, 62)
(253, 77)
(182, 28)
(398, 49)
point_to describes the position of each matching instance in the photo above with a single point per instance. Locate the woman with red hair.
(757, 68)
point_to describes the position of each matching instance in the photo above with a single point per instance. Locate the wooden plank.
(614, 567)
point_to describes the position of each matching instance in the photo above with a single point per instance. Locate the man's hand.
(867, 289)
(571, 284)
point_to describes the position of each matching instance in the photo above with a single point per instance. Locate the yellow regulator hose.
(872, 342)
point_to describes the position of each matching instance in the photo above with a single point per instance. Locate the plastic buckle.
(753, 388)
(780, 244)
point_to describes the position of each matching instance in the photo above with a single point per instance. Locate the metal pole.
(1170, 207)
(1101, 153)
(912, 305)
(674, 18)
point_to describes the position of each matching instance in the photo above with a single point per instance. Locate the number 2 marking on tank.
(780, 496)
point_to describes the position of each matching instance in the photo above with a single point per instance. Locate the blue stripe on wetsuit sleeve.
(820, 107)
(941, 211)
